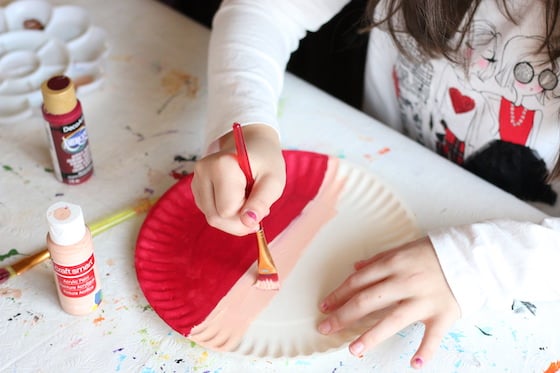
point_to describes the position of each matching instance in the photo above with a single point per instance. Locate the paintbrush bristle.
(267, 278)
(267, 282)
(4, 275)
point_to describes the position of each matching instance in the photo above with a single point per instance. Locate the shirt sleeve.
(250, 44)
(492, 263)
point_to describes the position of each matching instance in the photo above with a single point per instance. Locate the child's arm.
(454, 271)
(490, 264)
(250, 44)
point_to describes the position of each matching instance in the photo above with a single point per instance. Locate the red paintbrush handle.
(243, 157)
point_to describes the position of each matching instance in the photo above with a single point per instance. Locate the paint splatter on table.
(145, 126)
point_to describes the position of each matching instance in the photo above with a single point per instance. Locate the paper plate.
(199, 280)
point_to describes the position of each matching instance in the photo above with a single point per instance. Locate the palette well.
(39, 40)
(199, 280)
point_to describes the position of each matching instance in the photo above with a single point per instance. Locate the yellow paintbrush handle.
(102, 225)
(96, 227)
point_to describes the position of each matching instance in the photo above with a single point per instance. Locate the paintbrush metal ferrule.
(29, 262)
(267, 277)
(268, 266)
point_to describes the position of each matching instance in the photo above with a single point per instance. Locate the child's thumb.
(257, 205)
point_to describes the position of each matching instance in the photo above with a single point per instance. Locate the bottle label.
(76, 281)
(71, 150)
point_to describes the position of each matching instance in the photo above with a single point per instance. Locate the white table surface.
(137, 127)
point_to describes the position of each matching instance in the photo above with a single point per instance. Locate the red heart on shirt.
(461, 103)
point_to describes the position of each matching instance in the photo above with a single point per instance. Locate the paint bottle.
(66, 131)
(70, 245)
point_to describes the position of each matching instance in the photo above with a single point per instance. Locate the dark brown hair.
(439, 27)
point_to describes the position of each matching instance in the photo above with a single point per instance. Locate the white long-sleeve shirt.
(454, 113)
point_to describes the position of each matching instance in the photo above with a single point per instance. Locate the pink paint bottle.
(66, 131)
(70, 245)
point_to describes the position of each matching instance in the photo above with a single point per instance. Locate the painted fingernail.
(325, 327)
(357, 348)
(251, 215)
(324, 307)
(417, 362)
(359, 264)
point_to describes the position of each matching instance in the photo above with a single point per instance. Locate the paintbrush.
(96, 228)
(267, 278)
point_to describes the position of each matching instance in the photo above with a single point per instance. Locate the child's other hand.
(218, 183)
(394, 288)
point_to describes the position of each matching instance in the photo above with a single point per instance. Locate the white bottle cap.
(66, 223)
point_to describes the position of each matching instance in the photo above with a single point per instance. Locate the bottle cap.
(66, 223)
(59, 95)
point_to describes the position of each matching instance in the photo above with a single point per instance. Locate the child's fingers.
(372, 276)
(203, 193)
(230, 225)
(266, 191)
(229, 190)
(433, 334)
(395, 320)
(384, 259)
(365, 302)
(206, 192)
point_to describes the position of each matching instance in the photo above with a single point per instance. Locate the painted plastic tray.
(39, 40)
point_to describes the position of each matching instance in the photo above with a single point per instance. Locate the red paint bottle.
(66, 131)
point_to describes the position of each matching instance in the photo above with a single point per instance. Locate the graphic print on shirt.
(412, 78)
(529, 78)
(461, 107)
(488, 116)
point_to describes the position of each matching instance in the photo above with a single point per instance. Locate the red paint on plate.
(185, 267)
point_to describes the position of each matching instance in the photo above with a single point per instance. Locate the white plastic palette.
(39, 40)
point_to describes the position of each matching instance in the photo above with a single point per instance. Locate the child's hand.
(218, 183)
(395, 288)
